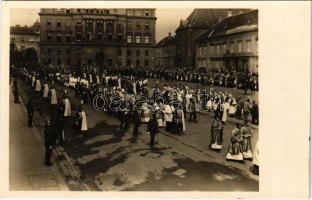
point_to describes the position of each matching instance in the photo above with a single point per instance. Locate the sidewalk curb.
(53, 169)
(68, 168)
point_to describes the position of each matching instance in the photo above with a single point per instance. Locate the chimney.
(229, 13)
(169, 34)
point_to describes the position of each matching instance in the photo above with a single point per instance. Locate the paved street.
(107, 159)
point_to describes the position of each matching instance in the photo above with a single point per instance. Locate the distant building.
(24, 37)
(107, 37)
(196, 23)
(231, 44)
(165, 52)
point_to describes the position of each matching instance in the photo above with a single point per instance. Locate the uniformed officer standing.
(49, 141)
(30, 112)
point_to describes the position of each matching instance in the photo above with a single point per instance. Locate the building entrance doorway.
(89, 61)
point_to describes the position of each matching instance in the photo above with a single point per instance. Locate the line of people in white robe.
(52, 94)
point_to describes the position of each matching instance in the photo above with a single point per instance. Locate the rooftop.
(169, 40)
(206, 18)
(243, 22)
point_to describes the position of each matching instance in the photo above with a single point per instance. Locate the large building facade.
(24, 37)
(165, 52)
(231, 44)
(107, 37)
(196, 23)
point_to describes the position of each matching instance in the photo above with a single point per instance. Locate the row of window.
(221, 48)
(24, 39)
(89, 37)
(100, 24)
(119, 52)
(105, 11)
(138, 39)
(109, 62)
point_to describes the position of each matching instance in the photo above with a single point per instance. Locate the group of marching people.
(137, 104)
(45, 86)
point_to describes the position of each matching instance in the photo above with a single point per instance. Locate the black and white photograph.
(159, 99)
(134, 99)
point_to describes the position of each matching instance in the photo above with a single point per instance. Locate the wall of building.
(22, 42)
(242, 49)
(186, 47)
(113, 32)
(165, 56)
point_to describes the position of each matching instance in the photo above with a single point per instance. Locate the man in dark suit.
(49, 141)
(136, 122)
(30, 112)
(254, 111)
(152, 129)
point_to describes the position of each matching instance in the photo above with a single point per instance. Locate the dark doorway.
(89, 61)
(99, 58)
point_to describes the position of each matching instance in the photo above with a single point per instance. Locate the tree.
(30, 55)
(16, 57)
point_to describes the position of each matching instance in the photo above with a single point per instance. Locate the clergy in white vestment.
(46, 90)
(53, 97)
(83, 117)
(33, 80)
(67, 110)
(226, 106)
(38, 86)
